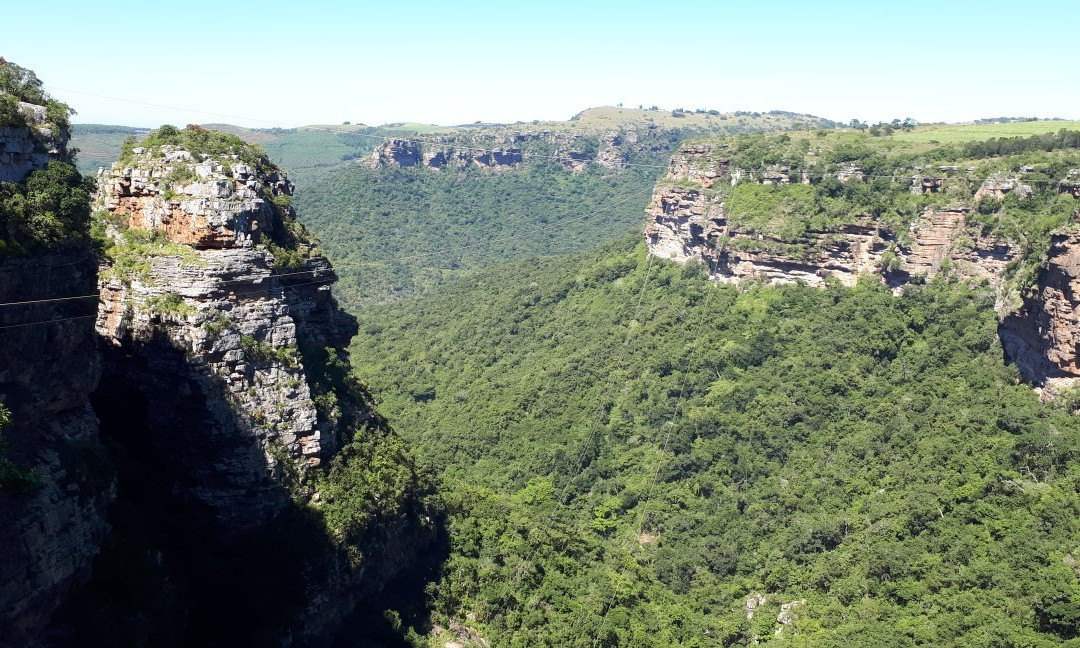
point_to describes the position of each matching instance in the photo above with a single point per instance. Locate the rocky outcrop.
(208, 316)
(25, 148)
(925, 185)
(410, 153)
(221, 342)
(51, 526)
(933, 236)
(688, 221)
(697, 164)
(202, 203)
(397, 152)
(1043, 337)
(506, 147)
(1071, 183)
(998, 188)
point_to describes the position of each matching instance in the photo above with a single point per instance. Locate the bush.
(20, 84)
(49, 210)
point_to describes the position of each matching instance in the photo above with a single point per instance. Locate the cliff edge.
(241, 442)
(55, 479)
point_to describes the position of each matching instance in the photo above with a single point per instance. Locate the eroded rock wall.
(50, 529)
(210, 334)
(52, 522)
(501, 148)
(1043, 337)
(25, 148)
(687, 221)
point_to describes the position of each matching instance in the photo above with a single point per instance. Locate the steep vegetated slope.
(841, 465)
(807, 432)
(396, 232)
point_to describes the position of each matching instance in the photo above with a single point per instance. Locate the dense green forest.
(630, 453)
(394, 232)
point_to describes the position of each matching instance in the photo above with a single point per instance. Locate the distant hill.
(99, 144)
(309, 151)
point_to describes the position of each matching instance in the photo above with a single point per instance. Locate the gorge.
(784, 394)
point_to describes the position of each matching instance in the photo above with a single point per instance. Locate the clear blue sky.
(291, 63)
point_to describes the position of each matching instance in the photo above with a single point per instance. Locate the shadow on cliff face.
(208, 547)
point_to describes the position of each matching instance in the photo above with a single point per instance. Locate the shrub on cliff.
(14, 478)
(20, 84)
(49, 210)
(199, 142)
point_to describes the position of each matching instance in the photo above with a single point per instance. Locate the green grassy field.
(953, 133)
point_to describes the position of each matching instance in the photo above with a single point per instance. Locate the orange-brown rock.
(1043, 337)
(208, 204)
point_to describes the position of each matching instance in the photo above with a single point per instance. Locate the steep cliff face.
(498, 148)
(192, 305)
(55, 481)
(51, 526)
(689, 220)
(1043, 337)
(225, 384)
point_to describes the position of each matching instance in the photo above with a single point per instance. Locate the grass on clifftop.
(793, 213)
(954, 133)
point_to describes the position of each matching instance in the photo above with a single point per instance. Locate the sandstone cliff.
(225, 384)
(56, 481)
(689, 220)
(505, 147)
(1043, 337)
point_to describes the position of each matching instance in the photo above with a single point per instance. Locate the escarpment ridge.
(838, 207)
(612, 138)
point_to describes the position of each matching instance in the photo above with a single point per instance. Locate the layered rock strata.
(52, 510)
(220, 335)
(204, 203)
(208, 332)
(1043, 337)
(499, 149)
(687, 221)
(409, 153)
